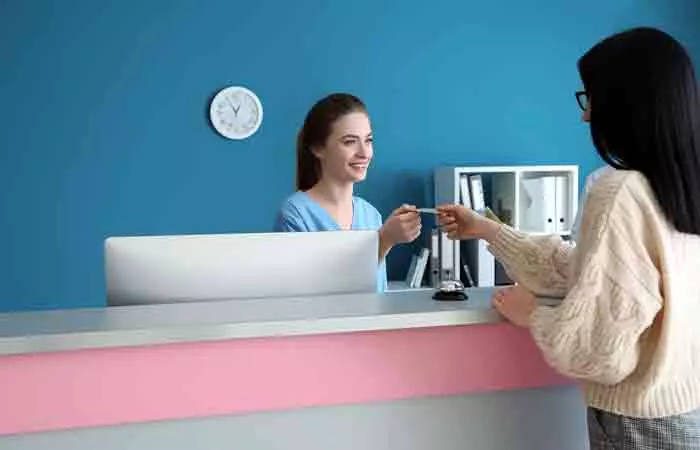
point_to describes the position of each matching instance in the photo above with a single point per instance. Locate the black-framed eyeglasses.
(582, 99)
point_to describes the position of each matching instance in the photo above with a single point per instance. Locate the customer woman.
(628, 327)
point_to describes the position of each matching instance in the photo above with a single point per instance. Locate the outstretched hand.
(402, 226)
(465, 223)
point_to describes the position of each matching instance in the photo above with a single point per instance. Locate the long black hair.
(645, 116)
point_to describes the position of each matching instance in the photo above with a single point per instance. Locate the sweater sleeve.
(539, 263)
(595, 333)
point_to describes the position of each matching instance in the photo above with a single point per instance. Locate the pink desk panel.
(52, 391)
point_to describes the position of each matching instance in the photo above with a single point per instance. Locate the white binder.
(421, 263)
(563, 218)
(476, 189)
(487, 266)
(538, 204)
(464, 190)
(447, 260)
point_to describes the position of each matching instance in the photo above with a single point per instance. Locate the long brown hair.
(317, 127)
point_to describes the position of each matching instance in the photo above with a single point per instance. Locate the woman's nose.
(365, 150)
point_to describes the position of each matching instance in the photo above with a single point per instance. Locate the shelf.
(536, 199)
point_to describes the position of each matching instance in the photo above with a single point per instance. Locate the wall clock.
(236, 112)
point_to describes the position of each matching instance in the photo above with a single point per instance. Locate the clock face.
(236, 112)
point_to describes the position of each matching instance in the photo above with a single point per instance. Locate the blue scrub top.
(300, 213)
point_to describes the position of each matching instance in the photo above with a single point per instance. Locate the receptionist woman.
(334, 151)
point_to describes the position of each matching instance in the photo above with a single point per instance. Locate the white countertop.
(78, 329)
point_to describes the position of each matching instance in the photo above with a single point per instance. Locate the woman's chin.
(358, 177)
(355, 175)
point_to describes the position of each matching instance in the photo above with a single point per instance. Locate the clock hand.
(235, 110)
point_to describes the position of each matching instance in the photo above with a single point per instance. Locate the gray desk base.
(539, 419)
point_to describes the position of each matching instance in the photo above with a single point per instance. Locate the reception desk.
(370, 371)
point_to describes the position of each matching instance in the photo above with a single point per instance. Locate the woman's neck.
(332, 193)
(336, 199)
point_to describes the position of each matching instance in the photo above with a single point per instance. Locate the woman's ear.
(586, 117)
(317, 152)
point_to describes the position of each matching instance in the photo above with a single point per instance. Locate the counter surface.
(62, 330)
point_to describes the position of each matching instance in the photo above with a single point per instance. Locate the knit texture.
(628, 326)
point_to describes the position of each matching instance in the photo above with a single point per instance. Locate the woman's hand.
(464, 223)
(402, 226)
(516, 304)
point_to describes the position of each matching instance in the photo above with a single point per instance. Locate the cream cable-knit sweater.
(629, 325)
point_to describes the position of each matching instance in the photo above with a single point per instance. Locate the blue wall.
(103, 125)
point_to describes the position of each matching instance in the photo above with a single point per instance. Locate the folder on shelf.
(476, 189)
(447, 246)
(486, 275)
(419, 272)
(468, 279)
(539, 204)
(562, 204)
(434, 258)
(464, 190)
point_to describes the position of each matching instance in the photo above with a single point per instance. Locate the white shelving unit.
(533, 199)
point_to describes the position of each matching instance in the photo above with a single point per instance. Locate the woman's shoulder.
(363, 204)
(613, 186)
(295, 206)
(368, 212)
(292, 213)
(620, 197)
(294, 202)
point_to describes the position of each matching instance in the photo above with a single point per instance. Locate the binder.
(539, 212)
(561, 201)
(476, 189)
(434, 258)
(464, 190)
(486, 266)
(447, 269)
(421, 263)
(468, 276)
